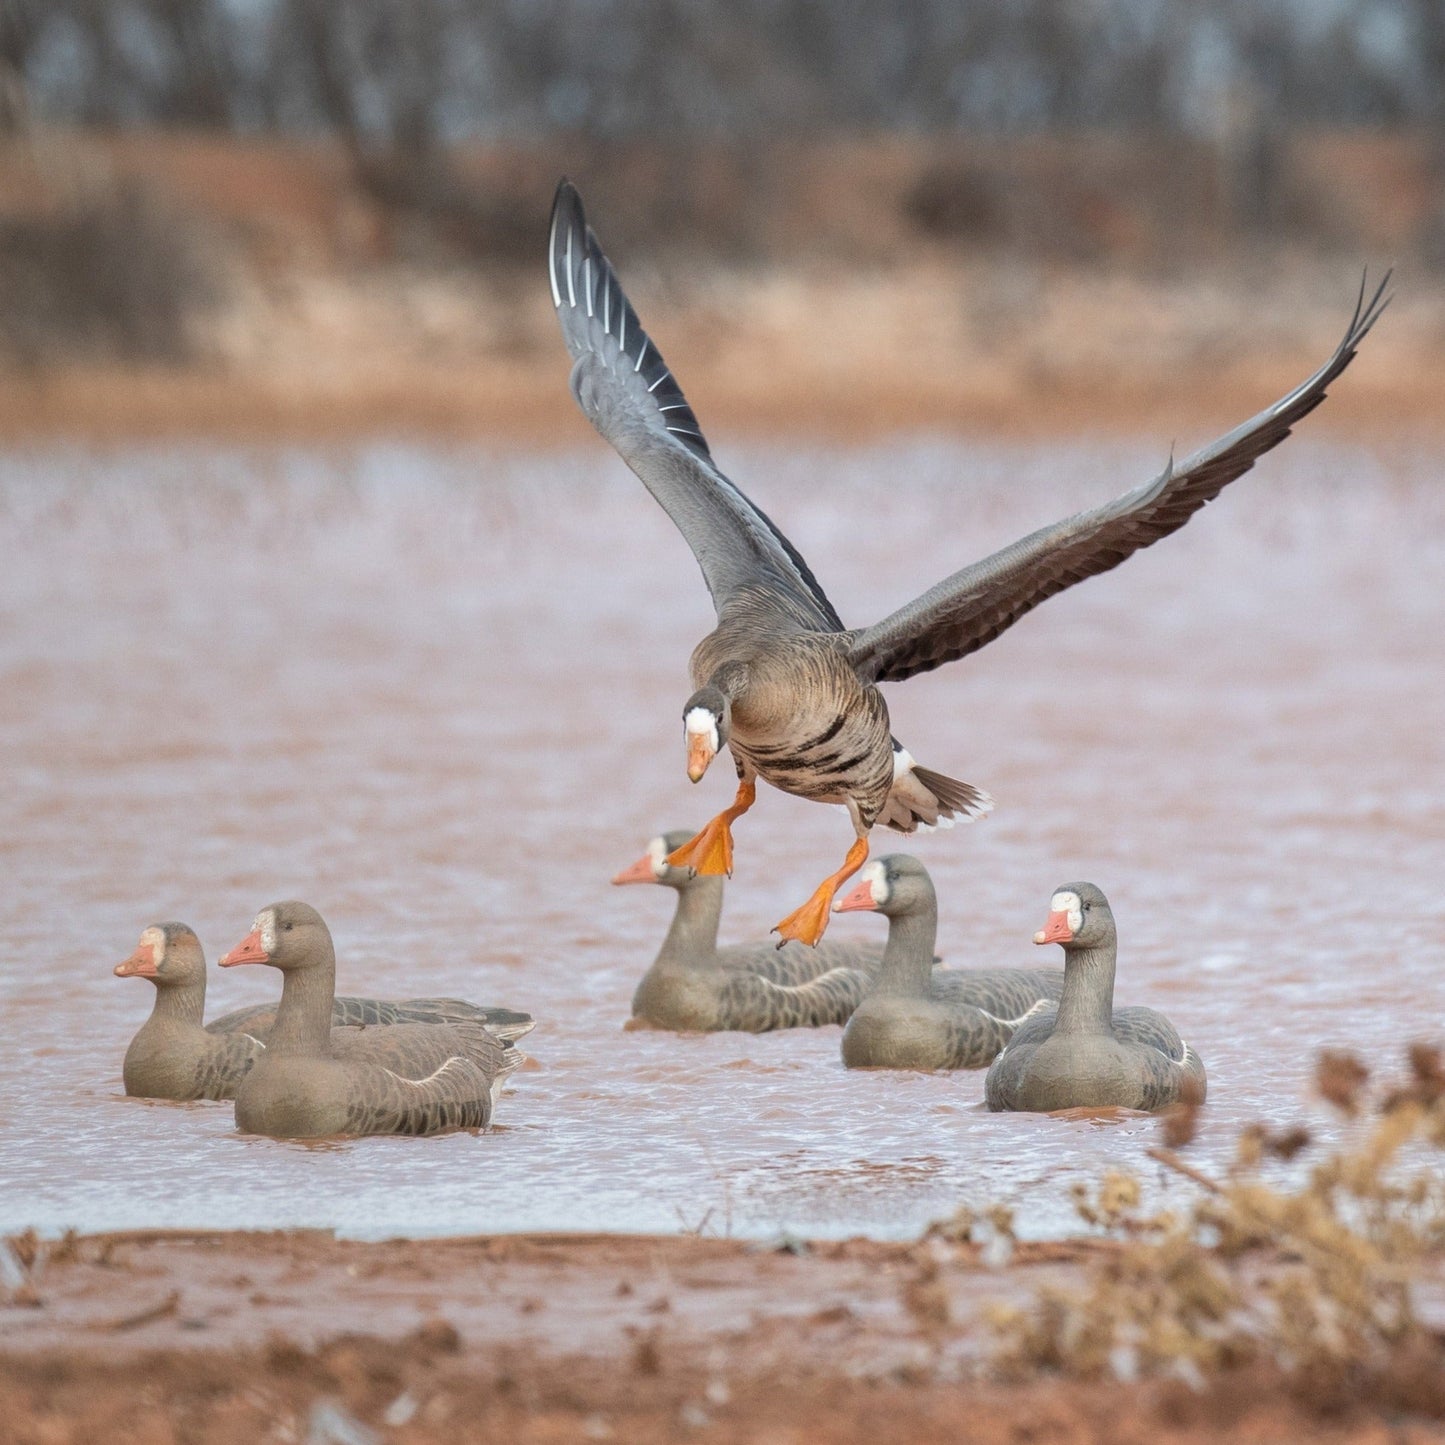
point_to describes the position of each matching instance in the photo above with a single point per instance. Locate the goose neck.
(1087, 1003)
(908, 955)
(303, 1018)
(180, 1007)
(692, 936)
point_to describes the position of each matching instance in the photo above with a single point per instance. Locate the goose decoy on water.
(312, 1080)
(693, 985)
(915, 1016)
(1087, 1053)
(176, 1056)
(781, 682)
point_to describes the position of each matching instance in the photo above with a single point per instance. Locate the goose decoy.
(175, 1056)
(781, 682)
(1087, 1053)
(695, 986)
(915, 1016)
(312, 1080)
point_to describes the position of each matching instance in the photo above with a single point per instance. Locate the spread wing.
(974, 606)
(627, 392)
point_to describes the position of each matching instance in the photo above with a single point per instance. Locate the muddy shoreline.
(160, 1336)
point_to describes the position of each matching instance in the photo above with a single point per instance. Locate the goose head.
(653, 866)
(288, 936)
(169, 954)
(1079, 917)
(706, 720)
(892, 886)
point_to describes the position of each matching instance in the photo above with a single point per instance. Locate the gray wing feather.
(422, 1078)
(971, 608)
(626, 390)
(991, 1006)
(796, 963)
(217, 1069)
(1175, 1059)
(457, 1096)
(1007, 994)
(1138, 1025)
(254, 1019)
(749, 1003)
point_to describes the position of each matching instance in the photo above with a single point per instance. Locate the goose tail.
(512, 1060)
(507, 1024)
(921, 798)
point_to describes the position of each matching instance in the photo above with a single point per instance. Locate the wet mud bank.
(298, 1336)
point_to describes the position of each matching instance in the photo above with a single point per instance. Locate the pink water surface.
(437, 693)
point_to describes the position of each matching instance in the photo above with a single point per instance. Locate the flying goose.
(915, 1016)
(175, 1056)
(1086, 1053)
(693, 985)
(781, 682)
(312, 1080)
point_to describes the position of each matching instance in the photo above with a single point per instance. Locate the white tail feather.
(912, 804)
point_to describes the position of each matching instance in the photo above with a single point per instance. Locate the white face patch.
(265, 925)
(1070, 903)
(700, 723)
(657, 856)
(876, 877)
(154, 938)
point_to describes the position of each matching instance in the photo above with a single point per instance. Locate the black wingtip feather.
(1367, 315)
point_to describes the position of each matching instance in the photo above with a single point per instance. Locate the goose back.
(352, 1012)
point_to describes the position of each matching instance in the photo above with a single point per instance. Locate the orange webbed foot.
(806, 924)
(710, 852)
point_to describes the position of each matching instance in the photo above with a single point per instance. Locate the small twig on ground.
(168, 1306)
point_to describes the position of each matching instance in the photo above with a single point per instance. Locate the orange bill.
(1056, 930)
(639, 872)
(857, 899)
(248, 950)
(141, 964)
(699, 755)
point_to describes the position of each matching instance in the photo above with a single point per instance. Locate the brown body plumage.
(801, 719)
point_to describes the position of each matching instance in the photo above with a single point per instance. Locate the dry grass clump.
(1316, 1281)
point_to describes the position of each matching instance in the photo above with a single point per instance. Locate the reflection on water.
(437, 694)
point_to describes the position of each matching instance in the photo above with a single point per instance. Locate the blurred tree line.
(400, 81)
(416, 73)
(1214, 88)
